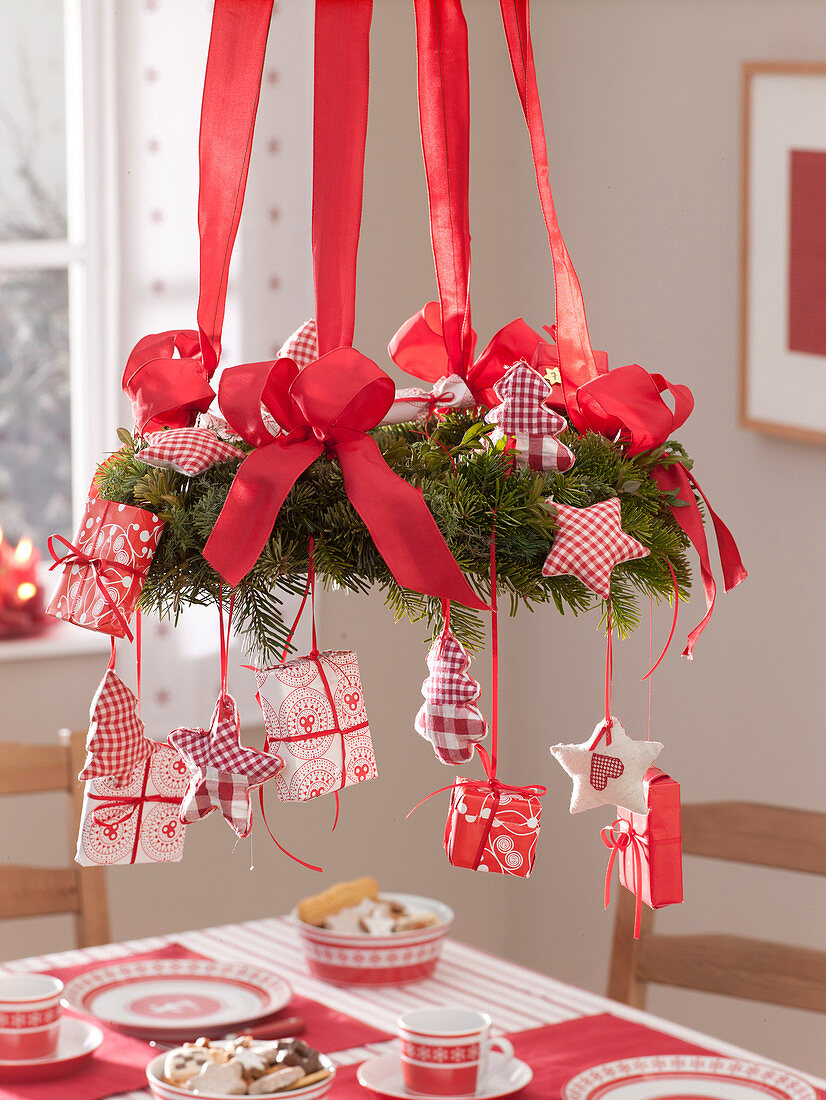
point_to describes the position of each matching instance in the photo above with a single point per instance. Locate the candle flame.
(1, 534)
(23, 551)
(26, 590)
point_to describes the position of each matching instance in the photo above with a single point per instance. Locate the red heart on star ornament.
(604, 768)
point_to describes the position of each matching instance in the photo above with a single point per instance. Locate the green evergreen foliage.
(467, 482)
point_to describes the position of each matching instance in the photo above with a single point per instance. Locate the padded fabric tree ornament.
(608, 773)
(524, 420)
(117, 740)
(189, 451)
(449, 718)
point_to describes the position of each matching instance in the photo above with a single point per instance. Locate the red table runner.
(557, 1052)
(120, 1062)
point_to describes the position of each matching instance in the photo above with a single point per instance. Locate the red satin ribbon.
(342, 35)
(167, 374)
(420, 348)
(328, 407)
(619, 836)
(576, 357)
(76, 556)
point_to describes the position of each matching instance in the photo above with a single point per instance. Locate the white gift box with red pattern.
(315, 719)
(135, 820)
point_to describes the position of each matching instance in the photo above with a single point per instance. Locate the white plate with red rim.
(686, 1077)
(504, 1077)
(77, 1043)
(177, 999)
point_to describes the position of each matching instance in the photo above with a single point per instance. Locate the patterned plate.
(177, 998)
(686, 1077)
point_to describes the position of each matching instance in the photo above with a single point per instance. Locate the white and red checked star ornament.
(608, 769)
(189, 451)
(222, 770)
(522, 417)
(589, 543)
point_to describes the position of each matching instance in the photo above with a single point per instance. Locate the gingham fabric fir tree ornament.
(523, 418)
(589, 543)
(117, 740)
(449, 718)
(608, 769)
(222, 771)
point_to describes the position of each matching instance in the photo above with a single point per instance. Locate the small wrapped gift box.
(315, 719)
(134, 819)
(493, 827)
(648, 847)
(104, 571)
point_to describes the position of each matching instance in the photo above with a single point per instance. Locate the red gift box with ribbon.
(104, 570)
(492, 826)
(649, 846)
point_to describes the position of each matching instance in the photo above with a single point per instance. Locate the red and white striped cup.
(444, 1051)
(29, 1016)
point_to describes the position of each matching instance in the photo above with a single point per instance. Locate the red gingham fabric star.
(117, 741)
(302, 346)
(523, 417)
(589, 542)
(449, 718)
(222, 770)
(189, 451)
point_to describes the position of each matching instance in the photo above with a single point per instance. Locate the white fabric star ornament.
(608, 769)
(589, 542)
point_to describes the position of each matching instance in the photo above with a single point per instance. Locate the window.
(58, 383)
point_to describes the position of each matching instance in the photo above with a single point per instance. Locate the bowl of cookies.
(222, 1070)
(355, 934)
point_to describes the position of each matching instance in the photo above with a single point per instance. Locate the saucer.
(77, 1043)
(505, 1076)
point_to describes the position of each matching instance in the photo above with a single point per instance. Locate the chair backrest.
(759, 970)
(32, 891)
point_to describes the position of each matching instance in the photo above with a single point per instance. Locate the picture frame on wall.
(783, 273)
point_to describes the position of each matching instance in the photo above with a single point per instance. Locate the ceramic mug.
(29, 1016)
(444, 1051)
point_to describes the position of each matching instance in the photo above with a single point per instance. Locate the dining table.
(552, 1024)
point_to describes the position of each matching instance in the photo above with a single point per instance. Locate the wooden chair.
(757, 970)
(33, 891)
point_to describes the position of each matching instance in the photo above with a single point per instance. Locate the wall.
(642, 108)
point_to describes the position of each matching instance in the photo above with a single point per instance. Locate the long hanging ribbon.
(576, 357)
(618, 837)
(342, 72)
(167, 374)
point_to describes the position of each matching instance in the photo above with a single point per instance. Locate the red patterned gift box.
(104, 571)
(315, 719)
(135, 820)
(493, 827)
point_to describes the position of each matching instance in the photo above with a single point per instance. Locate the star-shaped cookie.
(222, 771)
(608, 769)
(589, 542)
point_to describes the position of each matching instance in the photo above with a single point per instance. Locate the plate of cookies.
(353, 933)
(220, 1070)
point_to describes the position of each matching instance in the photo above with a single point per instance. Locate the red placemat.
(120, 1062)
(557, 1052)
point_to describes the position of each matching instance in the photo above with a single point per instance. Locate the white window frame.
(90, 251)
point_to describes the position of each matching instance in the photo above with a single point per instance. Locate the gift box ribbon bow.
(328, 407)
(75, 556)
(620, 836)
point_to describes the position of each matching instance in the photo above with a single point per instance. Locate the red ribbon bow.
(619, 836)
(419, 349)
(75, 556)
(329, 406)
(167, 390)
